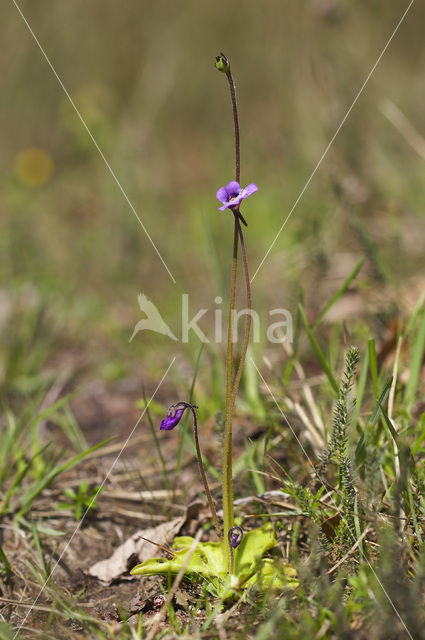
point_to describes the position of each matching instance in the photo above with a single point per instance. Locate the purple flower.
(235, 536)
(232, 194)
(174, 416)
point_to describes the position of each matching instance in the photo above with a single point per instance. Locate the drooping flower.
(232, 194)
(174, 415)
(235, 536)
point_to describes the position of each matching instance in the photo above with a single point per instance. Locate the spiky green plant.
(337, 449)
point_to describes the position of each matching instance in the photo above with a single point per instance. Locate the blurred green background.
(73, 255)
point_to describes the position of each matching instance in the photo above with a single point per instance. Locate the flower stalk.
(202, 472)
(248, 319)
(231, 196)
(222, 63)
(174, 415)
(228, 513)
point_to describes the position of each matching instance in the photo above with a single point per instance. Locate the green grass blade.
(419, 441)
(44, 482)
(8, 633)
(20, 475)
(318, 352)
(361, 386)
(185, 424)
(413, 512)
(389, 424)
(157, 445)
(373, 365)
(343, 288)
(358, 526)
(417, 354)
(6, 445)
(5, 562)
(37, 543)
(360, 453)
(381, 402)
(48, 412)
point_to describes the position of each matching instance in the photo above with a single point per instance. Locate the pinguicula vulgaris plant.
(236, 561)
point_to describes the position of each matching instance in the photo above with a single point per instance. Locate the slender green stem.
(236, 125)
(202, 472)
(248, 318)
(228, 515)
(232, 560)
(223, 64)
(232, 390)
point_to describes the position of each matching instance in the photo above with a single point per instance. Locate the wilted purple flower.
(232, 194)
(235, 536)
(174, 416)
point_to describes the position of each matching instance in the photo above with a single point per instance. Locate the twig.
(353, 548)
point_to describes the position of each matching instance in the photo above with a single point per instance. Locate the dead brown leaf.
(138, 548)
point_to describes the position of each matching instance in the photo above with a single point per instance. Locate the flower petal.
(235, 202)
(233, 188)
(172, 419)
(249, 190)
(221, 195)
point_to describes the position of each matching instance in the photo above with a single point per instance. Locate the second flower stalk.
(235, 533)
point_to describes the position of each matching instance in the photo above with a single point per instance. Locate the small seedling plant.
(237, 560)
(82, 501)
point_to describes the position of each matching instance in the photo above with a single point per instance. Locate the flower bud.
(222, 63)
(235, 536)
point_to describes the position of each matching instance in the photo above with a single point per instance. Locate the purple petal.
(233, 189)
(172, 419)
(233, 202)
(221, 195)
(249, 190)
(235, 536)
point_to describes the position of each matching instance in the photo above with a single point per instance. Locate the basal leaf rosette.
(209, 562)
